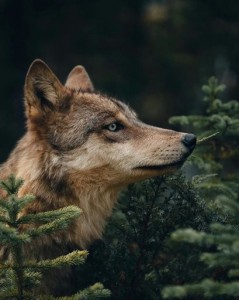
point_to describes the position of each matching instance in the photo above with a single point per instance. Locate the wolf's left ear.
(43, 91)
(78, 79)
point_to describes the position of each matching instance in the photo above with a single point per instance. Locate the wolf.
(81, 148)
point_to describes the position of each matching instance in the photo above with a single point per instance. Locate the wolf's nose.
(189, 140)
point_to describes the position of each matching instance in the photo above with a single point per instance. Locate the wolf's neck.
(96, 199)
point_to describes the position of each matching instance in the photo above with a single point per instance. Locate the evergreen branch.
(222, 188)
(207, 288)
(192, 236)
(10, 236)
(11, 185)
(188, 235)
(13, 206)
(31, 279)
(60, 224)
(13, 295)
(4, 204)
(48, 216)
(4, 220)
(222, 259)
(198, 179)
(22, 202)
(206, 138)
(205, 165)
(9, 294)
(229, 205)
(233, 273)
(74, 258)
(6, 285)
(227, 107)
(95, 291)
(225, 228)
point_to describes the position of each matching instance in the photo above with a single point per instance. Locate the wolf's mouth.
(177, 164)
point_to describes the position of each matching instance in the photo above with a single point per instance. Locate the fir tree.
(222, 241)
(217, 130)
(19, 276)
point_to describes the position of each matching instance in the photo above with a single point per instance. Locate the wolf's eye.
(114, 127)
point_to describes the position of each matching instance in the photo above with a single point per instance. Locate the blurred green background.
(154, 55)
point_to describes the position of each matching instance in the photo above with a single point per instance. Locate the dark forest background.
(155, 55)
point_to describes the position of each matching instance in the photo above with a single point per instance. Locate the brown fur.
(69, 155)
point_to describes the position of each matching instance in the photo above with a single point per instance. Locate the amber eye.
(113, 127)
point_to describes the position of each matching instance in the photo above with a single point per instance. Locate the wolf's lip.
(177, 164)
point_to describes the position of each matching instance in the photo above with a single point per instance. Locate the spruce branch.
(207, 138)
(61, 223)
(233, 273)
(10, 236)
(207, 288)
(74, 258)
(11, 185)
(96, 291)
(69, 212)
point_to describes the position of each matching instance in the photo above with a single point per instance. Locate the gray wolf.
(81, 148)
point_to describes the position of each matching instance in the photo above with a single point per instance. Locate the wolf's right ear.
(43, 91)
(78, 79)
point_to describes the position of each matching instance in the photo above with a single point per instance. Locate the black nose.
(189, 140)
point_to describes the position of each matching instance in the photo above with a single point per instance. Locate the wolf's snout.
(189, 140)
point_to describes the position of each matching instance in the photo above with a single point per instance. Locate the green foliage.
(135, 260)
(207, 288)
(19, 276)
(217, 130)
(220, 122)
(95, 291)
(221, 243)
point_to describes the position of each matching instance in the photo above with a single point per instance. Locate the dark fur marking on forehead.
(123, 107)
(120, 104)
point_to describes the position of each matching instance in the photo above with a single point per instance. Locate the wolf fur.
(81, 148)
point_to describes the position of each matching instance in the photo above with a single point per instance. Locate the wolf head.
(89, 132)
